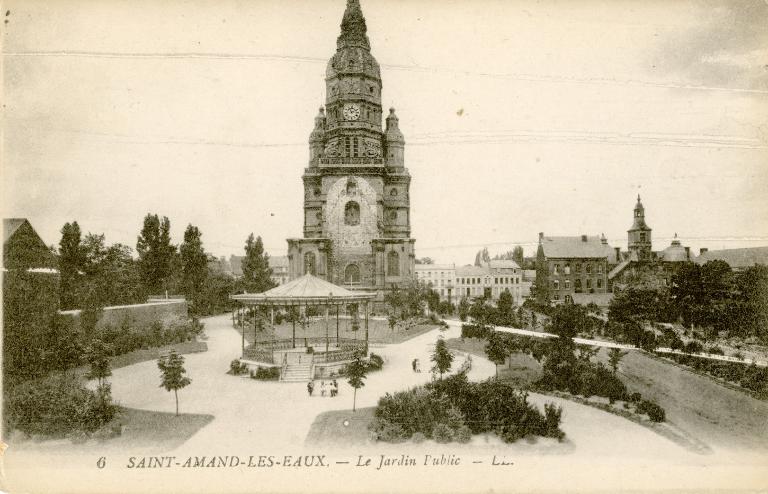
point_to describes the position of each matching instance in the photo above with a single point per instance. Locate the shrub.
(474, 331)
(266, 373)
(462, 434)
(635, 397)
(58, 406)
(391, 432)
(693, 347)
(441, 433)
(375, 362)
(418, 438)
(715, 350)
(552, 416)
(236, 367)
(654, 411)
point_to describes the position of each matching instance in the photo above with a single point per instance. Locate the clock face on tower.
(351, 112)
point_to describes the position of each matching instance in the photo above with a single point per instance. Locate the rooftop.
(581, 246)
(736, 258)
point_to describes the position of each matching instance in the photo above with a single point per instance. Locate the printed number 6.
(101, 462)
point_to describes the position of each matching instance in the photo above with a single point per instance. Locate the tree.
(441, 357)
(496, 350)
(172, 374)
(97, 355)
(156, 253)
(194, 267)
(482, 257)
(356, 372)
(256, 271)
(425, 260)
(518, 256)
(71, 261)
(505, 306)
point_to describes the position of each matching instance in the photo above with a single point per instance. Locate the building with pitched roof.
(572, 265)
(737, 259)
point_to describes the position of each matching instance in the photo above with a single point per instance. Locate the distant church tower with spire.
(356, 187)
(639, 236)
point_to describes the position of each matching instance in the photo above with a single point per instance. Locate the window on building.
(567, 269)
(355, 146)
(577, 285)
(309, 263)
(393, 264)
(599, 282)
(589, 283)
(352, 274)
(556, 269)
(577, 267)
(588, 268)
(567, 284)
(495, 281)
(352, 213)
(599, 268)
(556, 285)
(347, 147)
(642, 236)
(556, 297)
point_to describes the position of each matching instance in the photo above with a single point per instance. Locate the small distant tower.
(639, 236)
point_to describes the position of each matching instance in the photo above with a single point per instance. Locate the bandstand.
(329, 352)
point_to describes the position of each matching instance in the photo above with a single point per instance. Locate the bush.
(266, 373)
(375, 362)
(715, 350)
(441, 433)
(693, 347)
(391, 432)
(418, 438)
(462, 435)
(635, 397)
(58, 406)
(654, 411)
(474, 331)
(237, 368)
(552, 416)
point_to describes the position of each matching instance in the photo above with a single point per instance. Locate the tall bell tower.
(356, 187)
(639, 236)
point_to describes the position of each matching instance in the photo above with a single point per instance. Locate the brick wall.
(139, 314)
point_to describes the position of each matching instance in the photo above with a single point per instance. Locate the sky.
(519, 117)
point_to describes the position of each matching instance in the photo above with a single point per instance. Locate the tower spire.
(353, 28)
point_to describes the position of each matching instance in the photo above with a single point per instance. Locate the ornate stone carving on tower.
(639, 236)
(356, 187)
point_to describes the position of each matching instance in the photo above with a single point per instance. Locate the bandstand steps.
(296, 372)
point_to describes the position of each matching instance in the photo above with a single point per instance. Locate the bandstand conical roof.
(307, 289)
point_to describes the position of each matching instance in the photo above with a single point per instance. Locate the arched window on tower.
(356, 147)
(352, 213)
(352, 274)
(309, 263)
(347, 147)
(393, 264)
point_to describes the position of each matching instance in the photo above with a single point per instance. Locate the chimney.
(583, 238)
(688, 253)
(703, 250)
(618, 253)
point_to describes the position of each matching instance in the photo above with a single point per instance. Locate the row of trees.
(94, 274)
(516, 254)
(710, 297)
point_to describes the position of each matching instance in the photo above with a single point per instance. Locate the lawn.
(341, 428)
(519, 368)
(378, 331)
(142, 430)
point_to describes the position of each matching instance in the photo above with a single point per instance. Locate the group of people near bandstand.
(332, 388)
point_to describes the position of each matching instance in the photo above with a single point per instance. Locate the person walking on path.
(310, 387)
(413, 364)
(322, 388)
(418, 366)
(335, 388)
